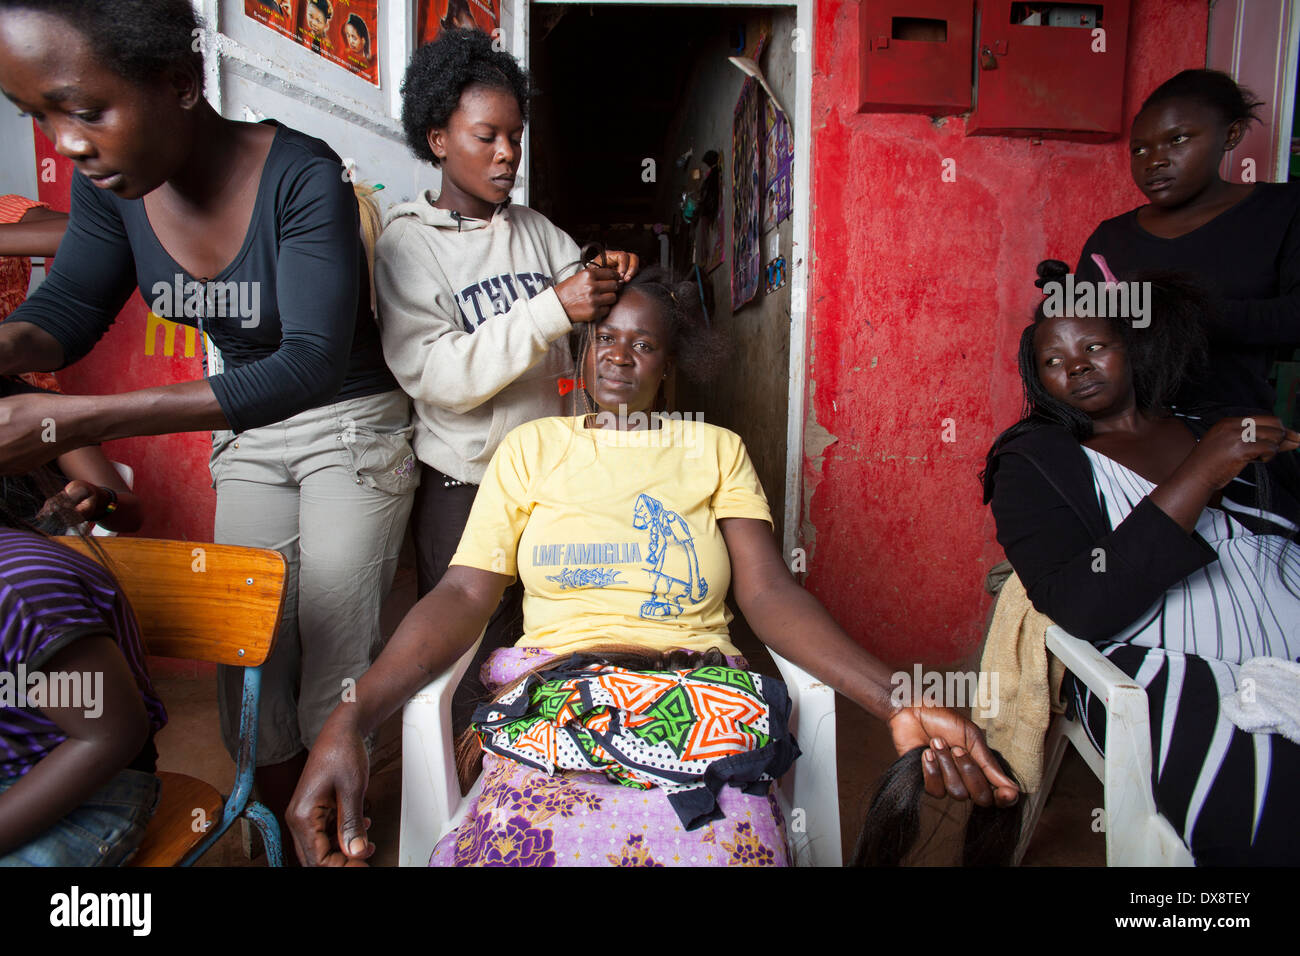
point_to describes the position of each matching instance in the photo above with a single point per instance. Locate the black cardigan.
(1050, 524)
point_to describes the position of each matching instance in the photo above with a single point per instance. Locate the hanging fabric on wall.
(706, 212)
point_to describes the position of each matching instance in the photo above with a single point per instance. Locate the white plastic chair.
(1136, 833)
(432, 805)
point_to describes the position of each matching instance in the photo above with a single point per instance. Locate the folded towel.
(1267, 700)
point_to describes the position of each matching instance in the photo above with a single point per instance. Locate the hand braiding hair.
(697, 348)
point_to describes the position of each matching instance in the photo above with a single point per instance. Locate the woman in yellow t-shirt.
(626, 529)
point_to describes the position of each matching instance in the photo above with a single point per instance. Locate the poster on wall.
(746, 186)
(434, 16)
(344, 32)
(778, 165)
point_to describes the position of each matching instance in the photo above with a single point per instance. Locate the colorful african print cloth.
(16, 276)
(690, 732)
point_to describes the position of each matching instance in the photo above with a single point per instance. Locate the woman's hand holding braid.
(957, 761)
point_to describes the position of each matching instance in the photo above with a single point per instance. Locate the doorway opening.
(635, 112)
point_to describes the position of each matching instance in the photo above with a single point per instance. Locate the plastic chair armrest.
(1136, 833)
(1088, 664)
(811, 787)
(430, 789)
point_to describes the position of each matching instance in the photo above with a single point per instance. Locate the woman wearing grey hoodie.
(476, 296)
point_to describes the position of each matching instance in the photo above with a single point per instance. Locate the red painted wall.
(919, 289)
(171, 471)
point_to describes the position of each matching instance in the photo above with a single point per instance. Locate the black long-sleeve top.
(290, 314)
(1050, 524)
(1249, 257)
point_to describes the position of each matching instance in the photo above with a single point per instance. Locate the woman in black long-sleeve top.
(1241, 240)
(1147, 534)
(250, 232)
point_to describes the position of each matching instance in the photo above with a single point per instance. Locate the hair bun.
(1051, 270)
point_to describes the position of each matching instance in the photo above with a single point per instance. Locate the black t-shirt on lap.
(290, 314)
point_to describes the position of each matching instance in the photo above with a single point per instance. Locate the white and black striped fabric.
(1230, 794)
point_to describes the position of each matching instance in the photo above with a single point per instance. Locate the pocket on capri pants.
(221, 440)
(383, 459)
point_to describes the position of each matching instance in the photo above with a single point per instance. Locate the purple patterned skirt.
(525, 817)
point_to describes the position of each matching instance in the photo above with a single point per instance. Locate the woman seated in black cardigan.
(1167, 541)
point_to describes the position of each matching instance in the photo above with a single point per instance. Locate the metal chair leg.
(1053, 750)
(267, 826)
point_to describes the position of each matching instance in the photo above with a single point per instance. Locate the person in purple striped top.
(78, 712)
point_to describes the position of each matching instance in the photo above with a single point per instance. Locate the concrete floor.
(191, 743)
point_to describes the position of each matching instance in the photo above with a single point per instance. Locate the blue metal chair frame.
(239, 803)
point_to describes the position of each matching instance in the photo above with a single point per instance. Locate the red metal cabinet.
(1050, 81)
(915, 56)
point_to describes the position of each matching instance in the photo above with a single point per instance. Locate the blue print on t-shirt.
(668, 529)
(585, 578)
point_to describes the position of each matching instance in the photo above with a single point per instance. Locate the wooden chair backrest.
(207, 602)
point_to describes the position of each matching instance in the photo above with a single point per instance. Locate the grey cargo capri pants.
(330, 489)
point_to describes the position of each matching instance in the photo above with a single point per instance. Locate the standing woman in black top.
(1240, 240)
(250, 232)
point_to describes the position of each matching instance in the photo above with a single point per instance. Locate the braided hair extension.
(893, 821)
(58, 516)
(40, 494)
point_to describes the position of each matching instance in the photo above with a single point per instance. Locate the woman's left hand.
(626, 264)
(957, 761)
(34, 429)
(87, 499)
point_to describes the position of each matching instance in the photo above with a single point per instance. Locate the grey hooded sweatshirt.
(471, 325)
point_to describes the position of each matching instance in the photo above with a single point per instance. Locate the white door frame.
(1257, 44)
(801, 206)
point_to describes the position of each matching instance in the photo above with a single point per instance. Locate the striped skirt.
(1231, 795)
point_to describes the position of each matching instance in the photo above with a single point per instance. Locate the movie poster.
(345, 32)
(434, 16)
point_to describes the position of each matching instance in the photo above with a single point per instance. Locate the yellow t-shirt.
(615, 533)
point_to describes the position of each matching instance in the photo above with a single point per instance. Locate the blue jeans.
(103, 831)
